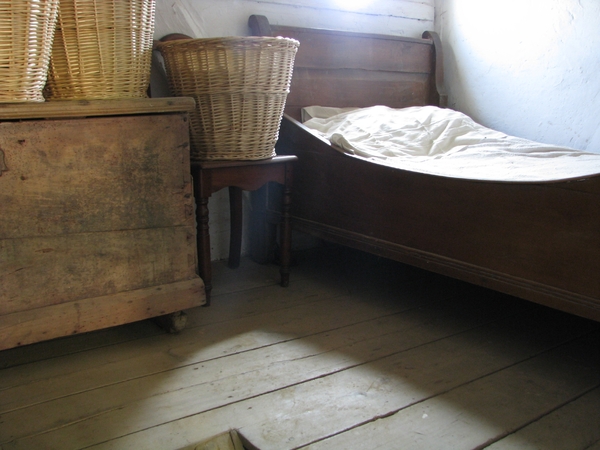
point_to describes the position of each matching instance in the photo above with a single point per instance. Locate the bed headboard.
(339, 68)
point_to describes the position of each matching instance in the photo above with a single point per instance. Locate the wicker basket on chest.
(102, 50)
(26, 34)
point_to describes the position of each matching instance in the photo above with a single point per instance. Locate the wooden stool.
(212, 176)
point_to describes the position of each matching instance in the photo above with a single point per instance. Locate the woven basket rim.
(227, 40)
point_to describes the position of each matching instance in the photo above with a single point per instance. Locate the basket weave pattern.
(102, 49)
(240, 85)
(26, 33)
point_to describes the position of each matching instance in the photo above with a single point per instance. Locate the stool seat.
(212, 176)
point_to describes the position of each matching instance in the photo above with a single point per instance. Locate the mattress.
(445, 142)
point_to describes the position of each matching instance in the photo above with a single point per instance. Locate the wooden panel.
(89, 314)
(84, 175)
(455, 221)
(42, 271)
(533, 232)
(336, 68)
(97, 225)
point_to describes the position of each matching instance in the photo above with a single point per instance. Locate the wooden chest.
(96, 216)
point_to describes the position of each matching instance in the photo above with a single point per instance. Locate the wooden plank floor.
(357, 353)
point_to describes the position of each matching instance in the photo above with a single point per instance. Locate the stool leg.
(286, 235)
(235, 234)
(264, 234)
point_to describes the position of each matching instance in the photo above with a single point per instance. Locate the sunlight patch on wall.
(511, 30)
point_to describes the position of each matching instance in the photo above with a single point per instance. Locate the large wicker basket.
(26, 33)
(102, 49)
(240, 85)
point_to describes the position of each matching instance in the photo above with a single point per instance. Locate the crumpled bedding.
(444, 142)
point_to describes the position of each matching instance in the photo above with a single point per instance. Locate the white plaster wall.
(528, 68)
(217, 18)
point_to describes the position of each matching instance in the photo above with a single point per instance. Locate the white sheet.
(445, 142)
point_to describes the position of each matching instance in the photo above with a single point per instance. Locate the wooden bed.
(536, 240)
